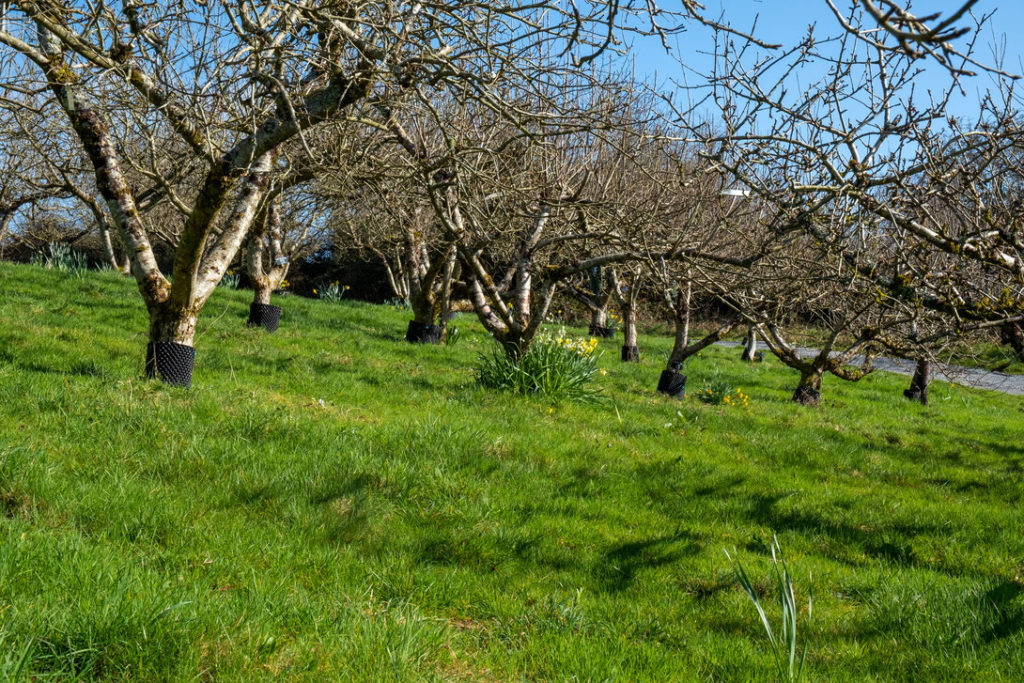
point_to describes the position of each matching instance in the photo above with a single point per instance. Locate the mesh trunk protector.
(672, 383)
(264, 315)
(170, 362)
(418, 333)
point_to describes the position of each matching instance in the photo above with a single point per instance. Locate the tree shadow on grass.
(622, 564)
(886, 543)
(1010, 620)
(79, 369)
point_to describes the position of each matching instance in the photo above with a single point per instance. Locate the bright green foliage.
(62, 257)
(332, 293)
(231, 280)
(557, 367)
(783, 642)
(330, 503)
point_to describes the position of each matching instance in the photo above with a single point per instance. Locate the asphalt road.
(970, 377)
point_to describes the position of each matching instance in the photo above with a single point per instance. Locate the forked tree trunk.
(627, 298)
(918, 390)
(423, 327)
(596, 299)
(672, 381)
(808, 391)
(266, 270)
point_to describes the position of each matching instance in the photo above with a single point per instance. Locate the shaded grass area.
(330, 503)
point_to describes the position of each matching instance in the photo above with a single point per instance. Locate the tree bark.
(168, 323)
(261, 291)
(627, 301)
(1012, 334)
(750, 345)
(918, 390)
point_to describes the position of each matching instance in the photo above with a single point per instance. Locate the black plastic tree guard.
(170, 362)
(420, 333)
(672, 383)
(630, 354)
(602, 332)
(264, 315)
(807, 395)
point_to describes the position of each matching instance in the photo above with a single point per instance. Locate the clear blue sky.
(786, 22)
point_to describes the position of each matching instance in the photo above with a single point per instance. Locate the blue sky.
(786, 22)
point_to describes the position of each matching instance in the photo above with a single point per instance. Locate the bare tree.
(254, 82)
(627, 295)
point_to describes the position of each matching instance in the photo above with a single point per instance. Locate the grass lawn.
(331, 503)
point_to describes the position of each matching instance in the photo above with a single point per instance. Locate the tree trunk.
(630, 350)
(261, 312)
(422, 328)
(261, 290)
(1012, 334)
(599, 323)
(266, 271)
(672, 380)
(918, 390)
(808, 391)
(451, 273)
(750, 346)
(627, 297)
(108, 247)
(169, 354)
(684, 313)
(424, 303)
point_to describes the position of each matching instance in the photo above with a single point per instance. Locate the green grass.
(331, 503)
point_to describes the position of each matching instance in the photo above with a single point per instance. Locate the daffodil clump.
(231, 280)
(333, 292)
(718, 392)
(580, 346)
(614, 320)
(555, 365)
(555, 316)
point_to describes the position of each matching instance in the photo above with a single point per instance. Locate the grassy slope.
(331, 503)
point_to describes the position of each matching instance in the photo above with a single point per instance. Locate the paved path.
(971, 377)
